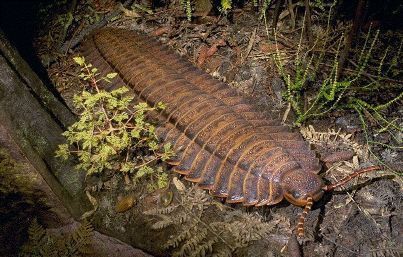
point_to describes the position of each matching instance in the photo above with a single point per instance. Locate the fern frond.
(165, 222)
(43, 244)
(175, 241)
(82, 237)
(332, 137)
(164, 210)
(204, 248)
(196, 240)
(36, 232)
(182, 218)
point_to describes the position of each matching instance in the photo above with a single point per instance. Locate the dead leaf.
(250, 46)
(94, 203)
(205, 52)
(214, 48)
(202, 55)
(338, 156)
(179, 185)
(125, 203)
(270, 48)
(161, 30)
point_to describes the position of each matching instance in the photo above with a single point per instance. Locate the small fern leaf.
(157, 211)
(193, 242)
(182, 218)
(36, 232)
(203, 249)
(176, 240)
(165, 222)
(81, 238)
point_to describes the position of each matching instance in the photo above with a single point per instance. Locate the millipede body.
(221, 141)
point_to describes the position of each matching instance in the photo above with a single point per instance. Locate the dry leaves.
(206, 52)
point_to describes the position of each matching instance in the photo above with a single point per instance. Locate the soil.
(363, 219)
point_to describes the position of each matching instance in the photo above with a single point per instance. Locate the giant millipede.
(221, 141)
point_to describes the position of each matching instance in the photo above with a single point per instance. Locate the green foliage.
(375, 113)
(226, 5)
(264, 7)
(186, 5)
(306, 69)
(43, 244)
(318, 4)
(12, 177)
(333, 92)
(219, 236)
(112, 133)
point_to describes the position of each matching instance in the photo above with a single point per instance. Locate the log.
(35, 119)
(31, 122)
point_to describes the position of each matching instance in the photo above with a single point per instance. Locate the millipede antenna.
(302, 217)
(350, 177)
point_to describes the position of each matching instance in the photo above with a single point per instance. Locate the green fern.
(188, 9)
(226, 5)
(38, 245)
(331, 94)
(43, 244)
(195, 237)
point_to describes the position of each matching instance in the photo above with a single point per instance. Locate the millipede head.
(299, 185)
(295, 197)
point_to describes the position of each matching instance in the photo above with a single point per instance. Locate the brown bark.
(35, 119)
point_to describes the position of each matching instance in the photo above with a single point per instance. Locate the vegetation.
(112, 133)
(194, 237)
(314, 90)
(21, 198)
(12, 179)
(41, 243)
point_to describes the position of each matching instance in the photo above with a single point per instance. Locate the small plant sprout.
(113, 133)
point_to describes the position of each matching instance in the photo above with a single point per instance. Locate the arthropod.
(222, 142)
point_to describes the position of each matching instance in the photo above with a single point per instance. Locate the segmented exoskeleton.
(222, 142)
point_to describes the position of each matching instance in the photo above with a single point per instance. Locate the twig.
(250, 45)
(290, 6)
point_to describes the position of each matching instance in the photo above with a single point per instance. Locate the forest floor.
(241, 49)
